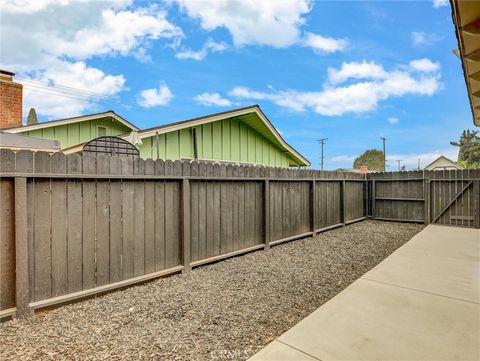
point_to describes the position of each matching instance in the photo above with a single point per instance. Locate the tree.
(32, 117)
(469, 149)
(372, 158)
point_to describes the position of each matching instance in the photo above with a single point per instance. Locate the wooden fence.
(72, 227)
(441, 197)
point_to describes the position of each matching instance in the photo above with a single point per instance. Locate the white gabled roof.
(451, 162)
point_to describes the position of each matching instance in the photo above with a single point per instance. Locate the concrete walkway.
(420, 303)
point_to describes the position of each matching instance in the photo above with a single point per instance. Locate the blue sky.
(347, 71)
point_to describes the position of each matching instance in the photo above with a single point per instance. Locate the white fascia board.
(70, 121)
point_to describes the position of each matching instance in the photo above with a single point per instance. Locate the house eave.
(81, 118)
(466, 19)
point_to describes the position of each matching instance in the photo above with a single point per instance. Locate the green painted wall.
(228, 140)
(77, 133)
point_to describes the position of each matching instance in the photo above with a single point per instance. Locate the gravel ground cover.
(226, 310)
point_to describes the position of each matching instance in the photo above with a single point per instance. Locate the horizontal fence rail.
(75, 226)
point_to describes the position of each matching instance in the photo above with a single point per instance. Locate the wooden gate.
(454, 198)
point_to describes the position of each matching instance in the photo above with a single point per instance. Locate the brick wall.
(10, 104)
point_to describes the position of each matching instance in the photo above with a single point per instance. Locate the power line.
(64, 91)
(75, 97)
(70, 96)
(60, 86)
(322, 142)
(63, 95)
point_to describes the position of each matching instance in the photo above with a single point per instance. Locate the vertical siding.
(227, 139)
(251, 146)
(207, 141)
(172, 146)
(235, 140)
(75, 133)
(217, 145)
(186, 143)
(243, 144)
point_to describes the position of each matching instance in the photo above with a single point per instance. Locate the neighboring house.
(242, 135)
(77, 130)
(442, 163)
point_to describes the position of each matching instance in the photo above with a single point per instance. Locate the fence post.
(367, 200)
(476, 203)
(21, 249)
(344, 203)
(426, 199)
(266, 217)
(373, 195)
(186, 224)
(312, 206)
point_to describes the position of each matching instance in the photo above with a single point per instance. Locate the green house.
(71, 132)
(242, 135)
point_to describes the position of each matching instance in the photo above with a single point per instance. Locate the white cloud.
(141, 55)
(376, 85)
(28, 6)
(274, 23)
(363, 70)
(57, 38)
(210, 45)
(267, 22)
(424, 65)
(81, 29)
(343, 159)
(119, 32)
(153, 97)
(392, 120)
(439, 3)
(55, 102)
(323, 44)
(212, 99)
(422, 38)
(419, 38)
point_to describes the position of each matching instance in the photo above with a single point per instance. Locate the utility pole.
(322, 142)
(398, 162)
(384, 155)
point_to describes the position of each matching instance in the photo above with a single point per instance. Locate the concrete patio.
(421, 303)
